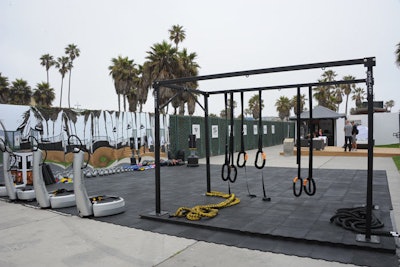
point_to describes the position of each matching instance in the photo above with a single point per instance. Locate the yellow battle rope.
(208, 211)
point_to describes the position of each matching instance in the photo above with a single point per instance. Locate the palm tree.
(254, 106)
(177, 34)
(293, 103)
(20, 92)
(73, 52)
(389, 104)
(283, 107)
(123, 71)
(227, 111)
(398, 54)
(131, 95)
(358, 96)
(324, 94)
(43, 94)
(47, 61)
(347, 89)
(338, 99)
(163, 64)
(4, 89)
(143, 84)
(62, 65)
(188, 68)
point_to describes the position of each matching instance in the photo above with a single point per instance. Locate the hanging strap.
(226, 170)
(231, 145)
(242, 153)
(297, 192)
(260, 152)
(309, 183)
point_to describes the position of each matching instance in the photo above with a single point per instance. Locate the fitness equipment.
(260, 151)
(367, 62)
(3, 189)
(193, 159)
(97, 206)
(242, 153)
(307, 184)
(208, 210)
(228, 168)
(14, 191)
(355, 219)
(298, 178)
(61, 198)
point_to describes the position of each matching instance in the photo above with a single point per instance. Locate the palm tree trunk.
(47, 76)
(69, 88)
(347, 100)
(62, 80)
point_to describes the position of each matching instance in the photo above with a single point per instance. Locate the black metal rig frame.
(176, 84)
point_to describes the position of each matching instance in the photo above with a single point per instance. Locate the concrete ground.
(35, 237)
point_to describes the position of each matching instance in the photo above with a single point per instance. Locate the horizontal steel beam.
(274, 87)
(267, 70)
(288, 86)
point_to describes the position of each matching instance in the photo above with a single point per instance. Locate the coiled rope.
(209, 210)
(354, 219)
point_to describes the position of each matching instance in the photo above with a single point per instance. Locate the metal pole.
(157, 149)
(264, 71)
(310, 161)
(298, 124)
(207, 140)
(369, 63)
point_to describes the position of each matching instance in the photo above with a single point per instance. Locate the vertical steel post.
(298, 124)
(207, 140)
(157, 148)
(310, 161)
(369, 63)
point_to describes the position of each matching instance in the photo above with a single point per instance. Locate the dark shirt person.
(354, 133)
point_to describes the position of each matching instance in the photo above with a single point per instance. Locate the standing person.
(354, 133)
(347, 135)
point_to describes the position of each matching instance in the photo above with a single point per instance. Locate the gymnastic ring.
(311, 188)
(263, 159)
(226, 169)
(245, 157)
(295, 180)
(234, 173)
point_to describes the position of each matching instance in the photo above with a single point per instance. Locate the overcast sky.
(227, 35)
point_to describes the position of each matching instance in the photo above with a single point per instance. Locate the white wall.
(385, 124)
(339, 141)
